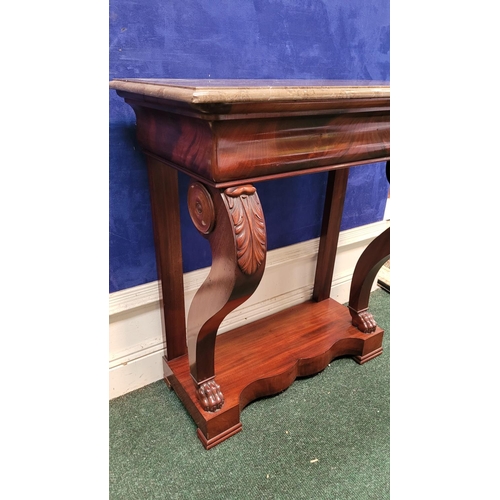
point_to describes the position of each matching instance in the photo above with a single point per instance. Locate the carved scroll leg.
(233, 222)
(367, 267)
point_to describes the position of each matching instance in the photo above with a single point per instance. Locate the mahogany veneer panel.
(265, 357)
(226, 131)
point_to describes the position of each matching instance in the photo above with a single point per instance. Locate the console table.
(228, 135)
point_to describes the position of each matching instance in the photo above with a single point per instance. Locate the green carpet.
(325, 437)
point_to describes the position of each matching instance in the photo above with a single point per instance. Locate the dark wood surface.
(330, 230)
(227, 135)
(367, 267)
(233, 223)
(371, 260)
(167, 234)
(266, 356)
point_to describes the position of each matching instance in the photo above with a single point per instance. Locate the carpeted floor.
(325, 437)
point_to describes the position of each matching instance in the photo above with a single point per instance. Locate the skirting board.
(136, 343)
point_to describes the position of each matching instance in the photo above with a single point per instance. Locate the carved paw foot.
(364, 321)
(210, 396)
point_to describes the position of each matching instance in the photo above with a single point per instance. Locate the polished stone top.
(210, 91)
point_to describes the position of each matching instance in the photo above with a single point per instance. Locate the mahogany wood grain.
(330, 230)
(372, 259)
(272, 146)
(365, 272)
(223, 151)
(233, 222)
(163, 188)
(290, 351)
(260, 132)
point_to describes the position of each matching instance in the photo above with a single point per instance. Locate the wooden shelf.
(265, 357)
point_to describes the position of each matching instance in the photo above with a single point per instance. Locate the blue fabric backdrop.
(306, 39)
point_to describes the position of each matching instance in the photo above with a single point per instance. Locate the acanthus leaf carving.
(249, 226)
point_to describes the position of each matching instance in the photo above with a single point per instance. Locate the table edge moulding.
(228, 135)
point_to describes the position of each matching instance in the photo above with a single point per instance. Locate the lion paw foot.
(210, 396)
(364, 322)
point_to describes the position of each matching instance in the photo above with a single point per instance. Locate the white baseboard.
(136, 342)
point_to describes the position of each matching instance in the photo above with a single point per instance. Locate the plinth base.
(265, 357)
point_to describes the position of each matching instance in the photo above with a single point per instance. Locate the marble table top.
(231, 91)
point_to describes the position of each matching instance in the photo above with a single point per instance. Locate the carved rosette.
(201, 207)
(249, 226)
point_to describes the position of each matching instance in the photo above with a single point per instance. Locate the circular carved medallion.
(201, 207)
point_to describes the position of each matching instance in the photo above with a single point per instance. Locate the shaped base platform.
(265, 357)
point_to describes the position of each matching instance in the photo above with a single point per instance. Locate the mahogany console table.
(228, 135)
